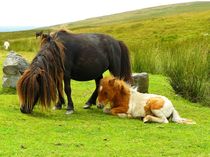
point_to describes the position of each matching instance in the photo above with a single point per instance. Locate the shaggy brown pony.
(41, 80)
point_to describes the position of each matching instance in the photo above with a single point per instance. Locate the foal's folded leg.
(158, 117)
(119, 111)
(122, 115)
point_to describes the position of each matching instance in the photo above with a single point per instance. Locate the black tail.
(125, 72)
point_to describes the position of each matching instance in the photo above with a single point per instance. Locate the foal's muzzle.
(100, 106)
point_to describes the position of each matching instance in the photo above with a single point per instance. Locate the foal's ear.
(122, 90)
(111, 82)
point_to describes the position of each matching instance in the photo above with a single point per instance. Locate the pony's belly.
(85, 76)
(88, 72)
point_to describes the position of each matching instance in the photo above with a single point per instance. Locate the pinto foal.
(126, 102)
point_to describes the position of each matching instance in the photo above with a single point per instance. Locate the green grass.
(93, 133)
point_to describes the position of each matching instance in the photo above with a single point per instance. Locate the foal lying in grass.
(126, 102)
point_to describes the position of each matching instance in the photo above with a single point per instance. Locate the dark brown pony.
(80, 57)
(38, 34)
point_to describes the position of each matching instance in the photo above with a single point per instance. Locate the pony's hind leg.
(92, 99)
(158, 117)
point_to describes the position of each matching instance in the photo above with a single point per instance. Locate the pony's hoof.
(87, 106)
(56, 108)
(69, 112)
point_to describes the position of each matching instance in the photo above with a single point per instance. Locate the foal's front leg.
(119, 111)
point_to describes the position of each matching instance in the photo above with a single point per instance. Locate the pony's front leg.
(61, 100)
(92, 99)
(70, 107)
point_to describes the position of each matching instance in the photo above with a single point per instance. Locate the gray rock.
(10, 81)
(13, 66)
(141, 82)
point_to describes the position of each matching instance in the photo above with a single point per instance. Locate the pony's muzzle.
(23, 110)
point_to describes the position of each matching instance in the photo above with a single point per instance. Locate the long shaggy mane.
(43, 78)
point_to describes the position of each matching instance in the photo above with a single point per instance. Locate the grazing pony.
(38, 34)
(126, 102)
(64, 56)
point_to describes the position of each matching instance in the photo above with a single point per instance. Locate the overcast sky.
(51, 12)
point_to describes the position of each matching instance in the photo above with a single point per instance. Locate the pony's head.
(39, 81)
(32, 87)
(112, 90)
(38, 34)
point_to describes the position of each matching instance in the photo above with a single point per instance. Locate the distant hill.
(15, 28)
(163, 23)
(139, 15)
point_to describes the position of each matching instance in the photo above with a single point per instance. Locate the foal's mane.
(44, 75)
(115, 86)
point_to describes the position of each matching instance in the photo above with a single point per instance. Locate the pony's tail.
(47, 89)
(125, 71)
(177, 119)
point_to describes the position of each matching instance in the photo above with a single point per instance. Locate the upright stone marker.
(141, 81)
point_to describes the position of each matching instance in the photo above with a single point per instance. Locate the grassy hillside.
(144, 25)
(164, 23)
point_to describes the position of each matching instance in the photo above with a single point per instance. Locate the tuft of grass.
(187, 69)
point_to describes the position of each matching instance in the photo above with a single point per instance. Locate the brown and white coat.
(127, 102)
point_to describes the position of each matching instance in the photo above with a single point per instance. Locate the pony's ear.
(46, 37)
(111, 82)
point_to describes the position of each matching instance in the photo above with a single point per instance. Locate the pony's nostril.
(23, 110)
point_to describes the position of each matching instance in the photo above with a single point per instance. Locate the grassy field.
(166, 40)
(92, 133)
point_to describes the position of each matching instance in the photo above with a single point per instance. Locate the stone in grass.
(141, 82)
(13, 66)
